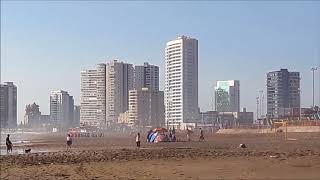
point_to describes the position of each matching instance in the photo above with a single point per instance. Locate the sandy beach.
(116, 157)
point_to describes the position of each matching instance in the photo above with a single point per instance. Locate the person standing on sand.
(188, 134)
(9, 144)
(174, 135)
(170, 136)
(69, 142)
(138, 140)
(174, 139)
(201, 138)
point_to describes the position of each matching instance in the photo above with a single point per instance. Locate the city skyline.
(266, 41)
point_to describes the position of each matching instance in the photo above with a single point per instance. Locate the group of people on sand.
(189, 132)
(172, 136)
(9, 143)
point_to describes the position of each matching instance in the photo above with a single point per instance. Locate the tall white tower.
(93, 96)
(181, 81)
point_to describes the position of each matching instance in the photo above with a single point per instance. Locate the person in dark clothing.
(173, 135)
(174, 139)
(201, 138)
(9, 144)
(138, 140)
(188, 134)
(170, 136)
(69, 142)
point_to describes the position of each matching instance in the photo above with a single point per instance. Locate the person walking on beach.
(174, 135)
(170, 135)
(9, 144)
(201, 138)
(174, 139)
(69, 142)
(138, 140)
(188, 134)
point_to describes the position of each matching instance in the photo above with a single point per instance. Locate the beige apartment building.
(146, 108)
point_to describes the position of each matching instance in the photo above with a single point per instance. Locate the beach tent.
(156, 135)
(160, 130)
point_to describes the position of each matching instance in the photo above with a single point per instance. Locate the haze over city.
(45, 45)
(160, 90)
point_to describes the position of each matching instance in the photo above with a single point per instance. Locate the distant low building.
(226, 119)
(244, 118)
(209, 117)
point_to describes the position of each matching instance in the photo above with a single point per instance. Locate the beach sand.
(116, 157)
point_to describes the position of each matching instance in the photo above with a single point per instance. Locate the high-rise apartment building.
(227, 96)
(181, 81)
(119, 80)
(146, 108)
(146, 76)
(76, 116)
(8, 105)
(61, 109)
(283, 92)
(93, 96)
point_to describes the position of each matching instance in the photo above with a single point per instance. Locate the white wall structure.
(146, 108)
(146, 76)
(61, 109)
(181, 81)
(227, 95)
(93, 96)
(119, 80)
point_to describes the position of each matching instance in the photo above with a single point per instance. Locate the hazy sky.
(45, 45)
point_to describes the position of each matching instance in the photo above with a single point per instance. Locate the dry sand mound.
(298, 129)
(140, 154)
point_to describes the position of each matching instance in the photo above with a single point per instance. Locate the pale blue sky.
(44, 45)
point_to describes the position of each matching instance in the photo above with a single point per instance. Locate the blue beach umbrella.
(153, 136)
